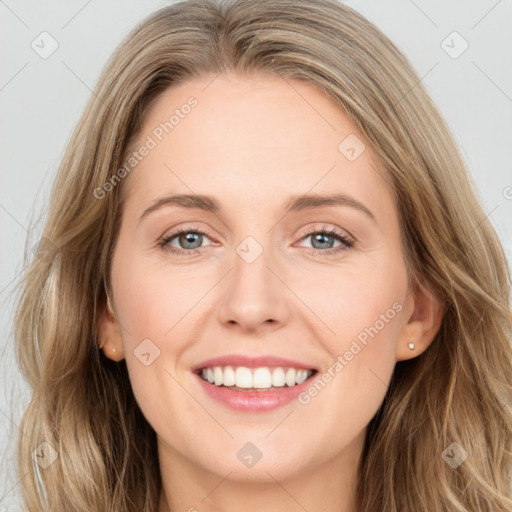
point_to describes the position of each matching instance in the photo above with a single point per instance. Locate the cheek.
(360, 301)
(154, 306)
(150, 299)
(363, 310)
(149, 304)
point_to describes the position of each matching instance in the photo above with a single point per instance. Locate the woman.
(257, 367)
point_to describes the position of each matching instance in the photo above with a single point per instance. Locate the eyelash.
(346, 241)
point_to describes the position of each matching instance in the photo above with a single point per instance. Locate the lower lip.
(254, 401)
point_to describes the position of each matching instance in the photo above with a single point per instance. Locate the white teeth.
(278, 379)
(290, 377)
(229, 378)
(262, 378)
(255, 378)
(301, 376)
(217, 373)
(243, 377)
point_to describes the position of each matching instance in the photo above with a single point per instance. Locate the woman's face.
(252, 291)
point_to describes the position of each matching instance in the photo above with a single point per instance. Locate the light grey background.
(41, 100)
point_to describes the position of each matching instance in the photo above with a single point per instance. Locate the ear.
(425, 310)
(109, 334)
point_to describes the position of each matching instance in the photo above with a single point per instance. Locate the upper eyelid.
(309, 231)
(328, 229)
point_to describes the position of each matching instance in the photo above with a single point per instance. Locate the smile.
(242, 378)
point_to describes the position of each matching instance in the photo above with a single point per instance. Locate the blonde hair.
(457, 391)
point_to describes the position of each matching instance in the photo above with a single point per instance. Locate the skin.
(251, 143)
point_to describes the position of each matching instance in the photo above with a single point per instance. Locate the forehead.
(251, 138)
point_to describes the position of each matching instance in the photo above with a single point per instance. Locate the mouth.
(261, 379)
(253, 383)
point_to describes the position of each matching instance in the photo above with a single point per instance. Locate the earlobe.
(111, 351)
(423, 324)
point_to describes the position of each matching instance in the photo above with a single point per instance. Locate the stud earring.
(114, 350)
(412, 346)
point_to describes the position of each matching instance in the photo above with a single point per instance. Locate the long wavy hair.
(457, 391)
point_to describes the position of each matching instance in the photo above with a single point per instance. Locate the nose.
(254, 295)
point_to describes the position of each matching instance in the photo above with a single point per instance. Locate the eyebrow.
(294, 204)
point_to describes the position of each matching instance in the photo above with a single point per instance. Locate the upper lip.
(251, 362)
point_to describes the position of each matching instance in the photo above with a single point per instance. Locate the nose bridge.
(251, 275)
(253, 294)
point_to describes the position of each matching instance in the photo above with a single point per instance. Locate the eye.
(322, 240)
(189, 241)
